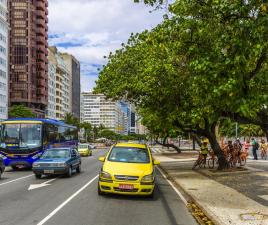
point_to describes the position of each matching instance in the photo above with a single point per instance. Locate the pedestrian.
(255, 147)
(246, 146)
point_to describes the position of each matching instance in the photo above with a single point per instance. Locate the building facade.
(73, 66)
(62, 80)
(28, 65)
(100, 111)
(51, 109)
(3, 60)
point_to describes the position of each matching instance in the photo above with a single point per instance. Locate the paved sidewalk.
(223, 201)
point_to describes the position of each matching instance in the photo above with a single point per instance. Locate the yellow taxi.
(128, 168)
(84, 149)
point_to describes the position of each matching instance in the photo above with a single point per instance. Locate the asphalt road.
(74, 201)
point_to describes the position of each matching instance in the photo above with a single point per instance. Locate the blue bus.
(23, 140)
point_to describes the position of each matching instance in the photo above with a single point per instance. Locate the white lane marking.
(35, 186)
(66, 202)
(21, 178)
(174, 188)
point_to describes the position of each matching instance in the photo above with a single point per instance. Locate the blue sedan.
(58, 161)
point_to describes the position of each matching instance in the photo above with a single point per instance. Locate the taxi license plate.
(126, 186)
(49, 171)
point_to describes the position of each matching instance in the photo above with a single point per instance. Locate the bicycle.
(213, 160)
(201, 161)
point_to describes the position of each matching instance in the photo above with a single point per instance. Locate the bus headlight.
(3, 156)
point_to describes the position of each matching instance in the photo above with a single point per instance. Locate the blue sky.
(90, 29)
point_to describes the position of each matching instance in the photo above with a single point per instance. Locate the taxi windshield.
(56, 154)
(129, 155)
(21, 135)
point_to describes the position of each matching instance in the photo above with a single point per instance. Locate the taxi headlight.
(105, 175)
(148, 178)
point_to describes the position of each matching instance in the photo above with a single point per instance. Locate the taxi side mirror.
(102, 158)
(156, 162)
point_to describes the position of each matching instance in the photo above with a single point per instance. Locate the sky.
(91, 29)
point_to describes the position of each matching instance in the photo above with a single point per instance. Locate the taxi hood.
(131, 169)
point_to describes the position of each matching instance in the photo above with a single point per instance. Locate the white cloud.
(90, 29)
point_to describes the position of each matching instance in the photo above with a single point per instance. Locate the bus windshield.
(20, 136)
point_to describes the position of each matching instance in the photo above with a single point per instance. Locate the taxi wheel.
(99, 191)
(78, 169)
(69, 173)
(151, 195)
(38, 176)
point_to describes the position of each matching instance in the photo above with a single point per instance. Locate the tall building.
(100, 111)
(62, 80)
(51, 108)
(3, 60)
(28, 65)
(73, 66)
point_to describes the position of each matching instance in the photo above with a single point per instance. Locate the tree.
(20, 111)
(87, 128)
(206, 62)
(70, 119)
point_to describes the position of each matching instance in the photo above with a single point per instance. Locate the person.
(204, 149)
(263, 147)
(255, 147)
(246, 145)
(237, 141)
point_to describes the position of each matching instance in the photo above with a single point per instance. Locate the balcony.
(42, 83)
(41, 23)
(41, 66)
(41, 48)
(42, 58)
(41, 31)
(40, 40)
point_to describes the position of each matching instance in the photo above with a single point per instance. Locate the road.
(74, 201)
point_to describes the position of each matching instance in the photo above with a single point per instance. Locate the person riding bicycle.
(204, 149)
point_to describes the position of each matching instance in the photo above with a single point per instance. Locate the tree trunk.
(169, 145)
(211, 135)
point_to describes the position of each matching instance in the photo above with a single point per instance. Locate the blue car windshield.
(56, 154)
(129, 155)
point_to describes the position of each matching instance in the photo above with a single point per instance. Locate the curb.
(191, 199)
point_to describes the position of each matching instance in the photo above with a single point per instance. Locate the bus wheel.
(14, 167)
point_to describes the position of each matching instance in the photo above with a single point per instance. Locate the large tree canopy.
(207, 61)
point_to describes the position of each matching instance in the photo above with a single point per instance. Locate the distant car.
(2, 167)
(92, 146)
(58, 161)
(85, 149)
(128, 168)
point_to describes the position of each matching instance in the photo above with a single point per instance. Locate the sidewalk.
(226, 198)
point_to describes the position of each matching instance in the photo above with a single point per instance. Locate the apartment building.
(73, 66)
(28, 65)
(62, 81)
(3, 60)
(100, 111)
(51, 109)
